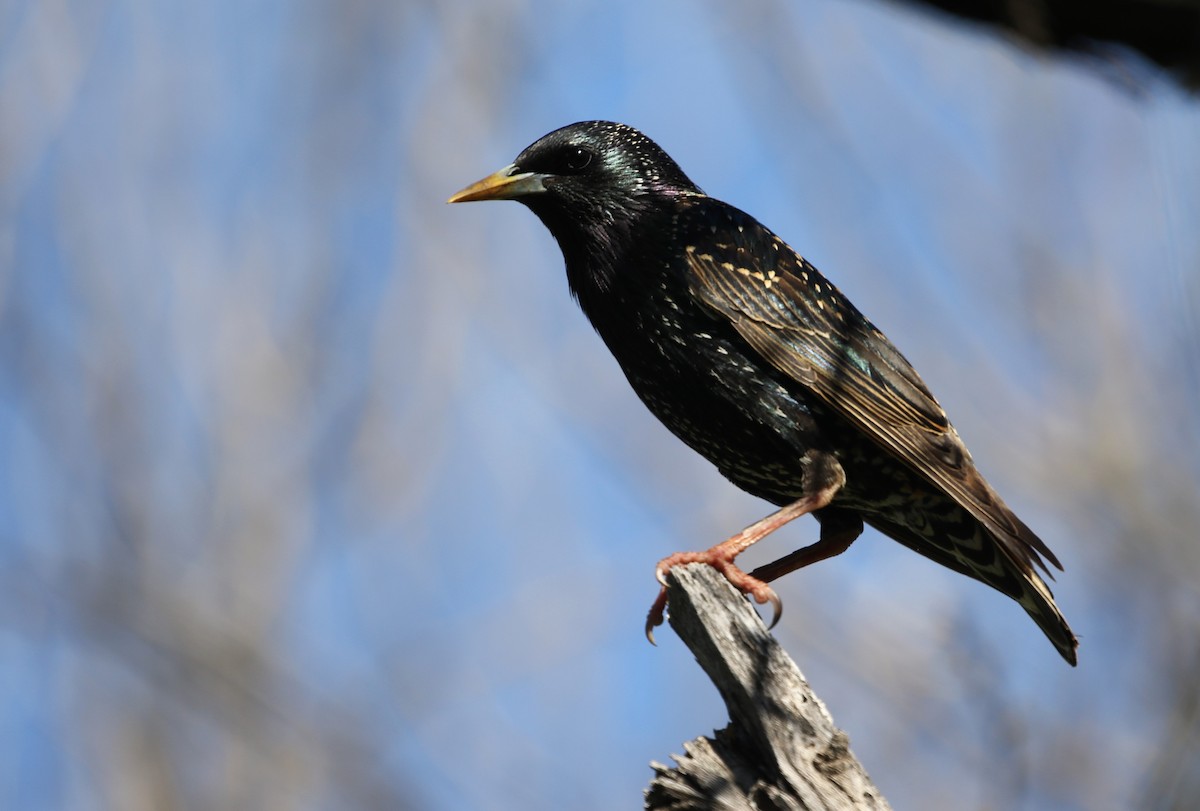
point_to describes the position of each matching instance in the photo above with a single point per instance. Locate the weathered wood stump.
(781, 749)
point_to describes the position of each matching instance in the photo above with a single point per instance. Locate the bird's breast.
(698, 377)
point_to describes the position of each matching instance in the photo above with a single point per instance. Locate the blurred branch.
(781, 749)
(1165, 31)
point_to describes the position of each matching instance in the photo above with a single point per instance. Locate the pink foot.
(721, 560)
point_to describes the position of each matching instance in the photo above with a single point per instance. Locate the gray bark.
(781, 749)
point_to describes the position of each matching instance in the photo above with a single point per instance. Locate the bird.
(751, 357)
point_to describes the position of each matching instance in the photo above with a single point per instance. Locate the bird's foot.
(719, 558)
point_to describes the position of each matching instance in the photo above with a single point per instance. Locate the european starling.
(751, 357)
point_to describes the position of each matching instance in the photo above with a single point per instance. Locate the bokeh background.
(317, 493)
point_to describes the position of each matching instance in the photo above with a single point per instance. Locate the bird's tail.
(952, 537)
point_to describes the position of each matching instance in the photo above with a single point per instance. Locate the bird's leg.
(836, 537)
(721, 556)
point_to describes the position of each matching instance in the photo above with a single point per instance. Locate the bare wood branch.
(781, 749)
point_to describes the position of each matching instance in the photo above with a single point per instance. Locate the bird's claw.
(750, 586)
(776, 607)
(655, 617)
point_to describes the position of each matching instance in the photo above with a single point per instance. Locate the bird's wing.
(793, 317)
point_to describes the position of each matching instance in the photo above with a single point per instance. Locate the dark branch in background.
(781, 749)
(1167, 32)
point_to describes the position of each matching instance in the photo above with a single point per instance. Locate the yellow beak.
(506, 184)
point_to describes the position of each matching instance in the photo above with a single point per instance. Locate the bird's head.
(589, 183)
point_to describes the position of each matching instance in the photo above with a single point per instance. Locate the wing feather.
(799, 322)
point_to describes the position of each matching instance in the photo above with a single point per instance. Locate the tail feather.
(948, 534)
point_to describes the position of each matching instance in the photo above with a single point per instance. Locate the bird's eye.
(577, 159)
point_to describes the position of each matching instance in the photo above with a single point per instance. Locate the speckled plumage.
(751, 357)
